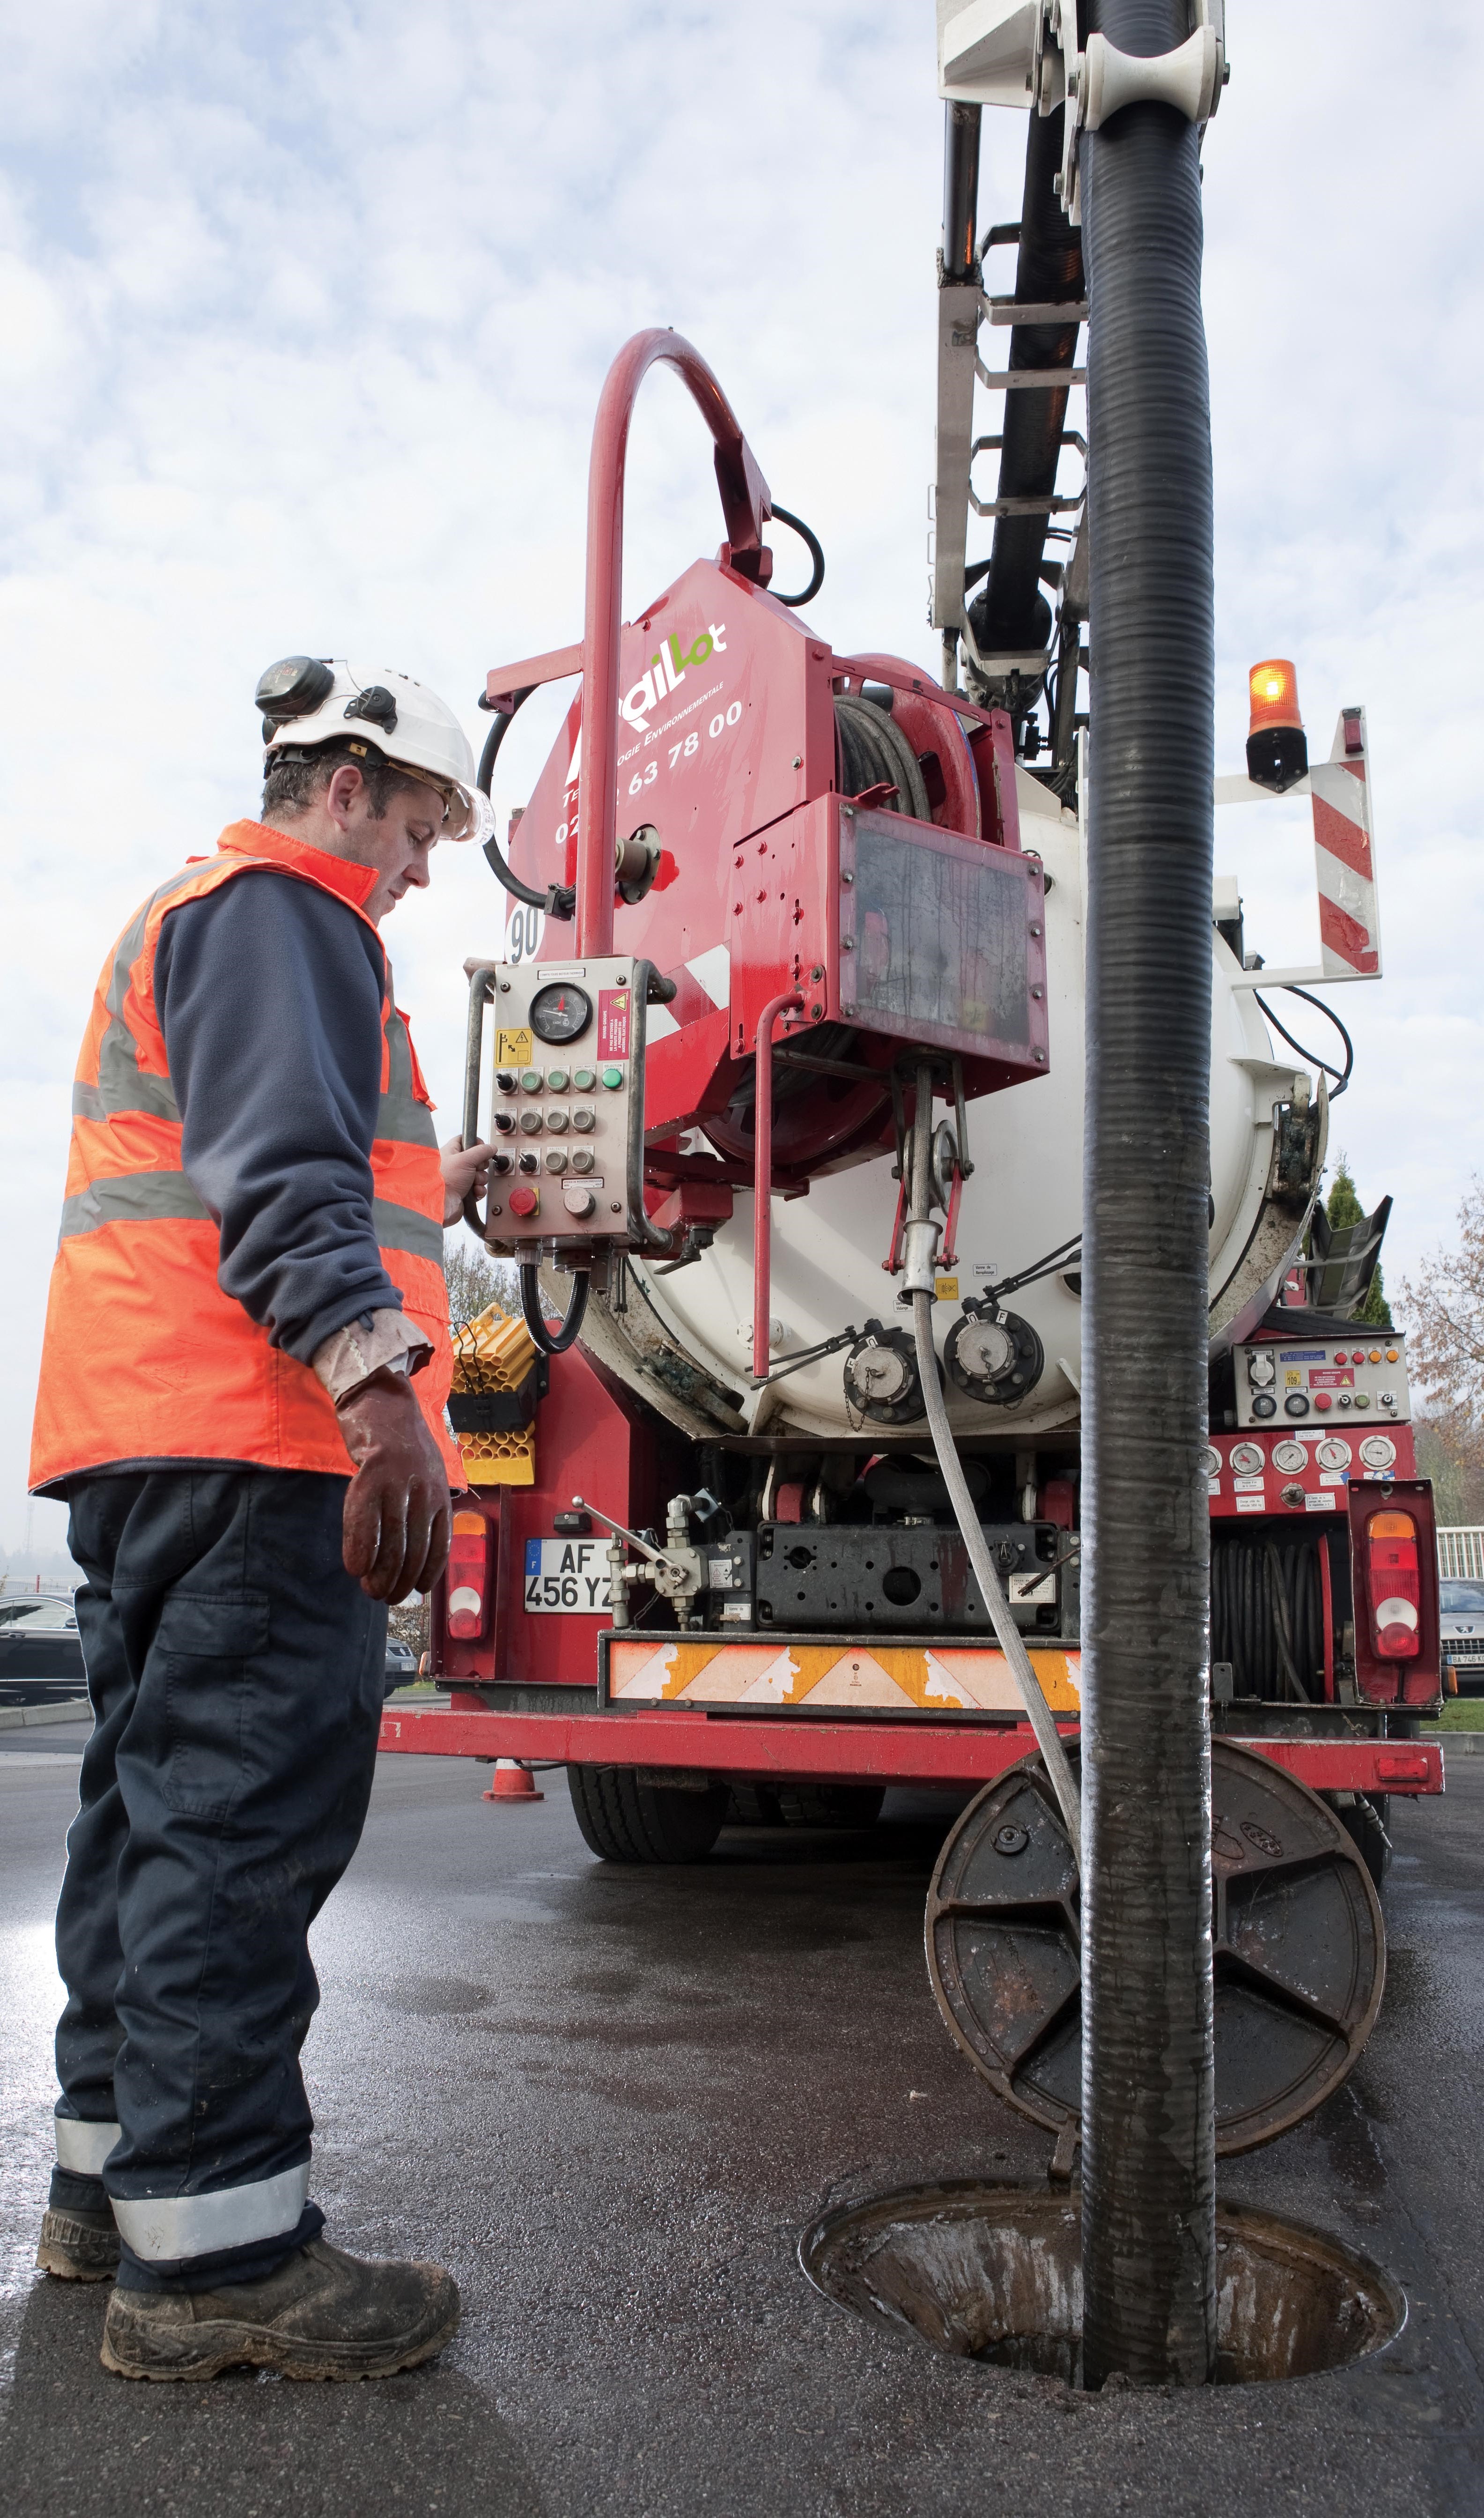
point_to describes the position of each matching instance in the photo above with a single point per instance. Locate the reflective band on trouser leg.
(164, 2229)
(82, 2148)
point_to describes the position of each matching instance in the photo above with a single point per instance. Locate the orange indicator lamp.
(1278, 752)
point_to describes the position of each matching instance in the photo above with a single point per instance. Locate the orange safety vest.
(145, 1357)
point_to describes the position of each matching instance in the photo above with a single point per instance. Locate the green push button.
(611, 1079)
(531, 1080)
(583, 1079)
(557, 1080)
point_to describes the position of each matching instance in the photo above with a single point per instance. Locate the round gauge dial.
(1246, 1459)
(1210, 1462)
(560, 1012)
(1289, 1456)
(1378, 1452)
(1333, 1454)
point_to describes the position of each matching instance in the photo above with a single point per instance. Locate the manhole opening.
(993, 2273)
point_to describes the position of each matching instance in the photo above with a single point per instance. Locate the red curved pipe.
(745, 506)
(762, 1180)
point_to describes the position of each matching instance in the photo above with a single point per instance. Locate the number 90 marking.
(523, 932)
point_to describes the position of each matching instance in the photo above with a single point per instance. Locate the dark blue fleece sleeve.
(270, 996)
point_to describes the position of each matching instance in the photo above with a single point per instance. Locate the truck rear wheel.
(624, 1820)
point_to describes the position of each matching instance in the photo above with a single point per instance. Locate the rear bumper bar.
(856, 1752)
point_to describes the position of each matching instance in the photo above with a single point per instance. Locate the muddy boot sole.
(134, 2348)
(75, 2250)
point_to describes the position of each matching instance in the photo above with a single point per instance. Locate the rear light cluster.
(1393, 1564)
(1396, 1590)
(468, 1577)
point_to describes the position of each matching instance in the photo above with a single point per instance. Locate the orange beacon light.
(1278, 752)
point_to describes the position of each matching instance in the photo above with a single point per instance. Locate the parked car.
(1462, 1624)
(401, 1665)
(40, 1649)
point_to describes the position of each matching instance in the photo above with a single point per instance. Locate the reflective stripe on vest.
(145, 1357)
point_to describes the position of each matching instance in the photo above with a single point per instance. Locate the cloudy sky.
(303, 316)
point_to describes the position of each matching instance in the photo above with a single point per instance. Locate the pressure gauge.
(1378, 1452)
(1248, 1460)
(1333, 1454)
(560, 1012)
(1291, 1456)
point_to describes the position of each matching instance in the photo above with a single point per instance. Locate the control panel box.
(1313, 1380)
(1287, 1468)
(565, 1065)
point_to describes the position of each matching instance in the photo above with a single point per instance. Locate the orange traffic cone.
(512, 1782)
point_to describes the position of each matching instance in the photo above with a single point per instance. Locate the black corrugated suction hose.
(1149, 2164)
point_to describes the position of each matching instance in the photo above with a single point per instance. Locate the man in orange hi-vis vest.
(242, 1401)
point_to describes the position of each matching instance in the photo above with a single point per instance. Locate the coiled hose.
(871, 751)
(1267, 1617)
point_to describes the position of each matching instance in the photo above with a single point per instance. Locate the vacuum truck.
(774, 1483)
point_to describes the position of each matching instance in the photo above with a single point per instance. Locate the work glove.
(396, 1521)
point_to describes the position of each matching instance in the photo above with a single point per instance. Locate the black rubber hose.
(558, 900)
(1341, 1075)
(812, 543)
(531, 1311)
(1148, 2077)
(1010, 614)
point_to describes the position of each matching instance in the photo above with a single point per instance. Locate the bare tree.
(1444, 1314)
(1450, 1450)
(474, 1280)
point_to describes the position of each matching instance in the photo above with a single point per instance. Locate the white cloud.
(302, 323)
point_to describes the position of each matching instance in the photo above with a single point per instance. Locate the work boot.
(78, 2246)
(321, 2315)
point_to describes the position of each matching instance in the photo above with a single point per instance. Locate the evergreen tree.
(1344, 1207)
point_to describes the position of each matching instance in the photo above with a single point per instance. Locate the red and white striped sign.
(1349, 922)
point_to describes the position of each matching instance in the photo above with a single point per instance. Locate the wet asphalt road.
(612, 2100)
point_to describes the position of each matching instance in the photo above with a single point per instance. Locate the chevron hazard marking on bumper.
(923, 1678)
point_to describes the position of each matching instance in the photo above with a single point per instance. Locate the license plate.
(566, 1577)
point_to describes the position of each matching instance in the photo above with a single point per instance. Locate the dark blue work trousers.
(236, 1671)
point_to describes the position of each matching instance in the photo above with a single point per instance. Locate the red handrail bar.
(762, 1180)
(746, 506)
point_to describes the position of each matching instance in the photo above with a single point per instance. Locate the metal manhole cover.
(1300, 1947)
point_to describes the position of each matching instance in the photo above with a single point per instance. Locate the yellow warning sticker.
(945, 1288)
(513, 1048)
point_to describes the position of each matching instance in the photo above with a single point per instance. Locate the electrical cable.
(1342, 1075)
(810, 543)
(1066, 1254)
(572, 1318)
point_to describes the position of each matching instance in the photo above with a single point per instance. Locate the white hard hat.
(308, 701)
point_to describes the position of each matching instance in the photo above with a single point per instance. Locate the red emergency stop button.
(525, 1201)
(1322, 1398)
